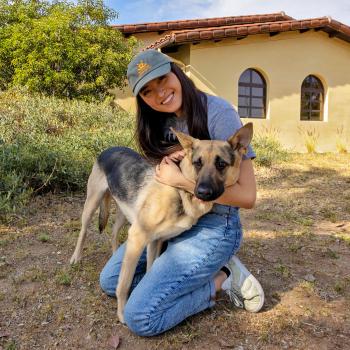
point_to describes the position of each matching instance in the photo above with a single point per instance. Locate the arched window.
(251, 95)
(312, 97)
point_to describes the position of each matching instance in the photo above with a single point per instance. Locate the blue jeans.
(180, 282)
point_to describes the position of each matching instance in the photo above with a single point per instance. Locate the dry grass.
(297, 242)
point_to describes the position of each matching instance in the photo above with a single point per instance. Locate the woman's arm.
(242, 194)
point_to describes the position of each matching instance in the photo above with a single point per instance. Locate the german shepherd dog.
(157, 212)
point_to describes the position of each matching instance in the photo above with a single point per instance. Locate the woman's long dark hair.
(150, 123)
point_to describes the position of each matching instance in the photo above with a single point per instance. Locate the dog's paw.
(121, 317)
(74, 259)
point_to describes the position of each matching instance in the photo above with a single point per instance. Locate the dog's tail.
(104, 211)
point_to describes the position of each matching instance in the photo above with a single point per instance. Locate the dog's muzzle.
(207, 192)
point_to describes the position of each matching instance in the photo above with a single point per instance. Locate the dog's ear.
(186, 141)
(242, 138)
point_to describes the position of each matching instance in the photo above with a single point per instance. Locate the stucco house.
(290, 77)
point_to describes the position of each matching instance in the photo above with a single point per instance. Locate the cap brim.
(155, 73)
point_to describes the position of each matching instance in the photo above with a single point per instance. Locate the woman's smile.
(169, 99)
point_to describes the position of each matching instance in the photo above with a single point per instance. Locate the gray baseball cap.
(145, 66)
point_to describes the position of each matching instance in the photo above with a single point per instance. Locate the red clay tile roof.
(200, 23)
(326, 24)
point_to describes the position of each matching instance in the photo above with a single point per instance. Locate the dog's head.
(214, 165)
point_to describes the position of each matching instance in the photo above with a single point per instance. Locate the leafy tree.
(62, 48)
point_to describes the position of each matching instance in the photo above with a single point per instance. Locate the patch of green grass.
(304, 232)
(4, 242)
(282, 270)
(304, 221)
(11, 345)
(332, 254)
(295, 247)
(63, 278)
(44, 237)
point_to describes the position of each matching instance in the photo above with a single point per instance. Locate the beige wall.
(284, 60)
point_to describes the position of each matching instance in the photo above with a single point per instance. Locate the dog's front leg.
(135, 245)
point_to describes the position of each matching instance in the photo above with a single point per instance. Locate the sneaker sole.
(251, 308)
(254, 307)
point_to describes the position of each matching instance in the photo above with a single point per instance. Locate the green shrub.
(50, 144)
(268, 149)
(62, 48)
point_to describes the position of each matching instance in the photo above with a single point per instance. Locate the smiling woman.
(184, 279)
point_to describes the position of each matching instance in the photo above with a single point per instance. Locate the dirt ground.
(297, 243)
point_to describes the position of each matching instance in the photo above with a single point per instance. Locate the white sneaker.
(242, 287)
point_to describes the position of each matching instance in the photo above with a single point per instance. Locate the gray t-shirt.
(223, 122)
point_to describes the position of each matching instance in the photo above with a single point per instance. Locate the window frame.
(250, 85)
(319, 98)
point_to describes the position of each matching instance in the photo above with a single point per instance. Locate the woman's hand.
(177, 156)
(168, 173)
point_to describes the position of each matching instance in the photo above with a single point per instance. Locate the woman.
(200, 262)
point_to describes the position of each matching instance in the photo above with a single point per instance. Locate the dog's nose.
(204, 192)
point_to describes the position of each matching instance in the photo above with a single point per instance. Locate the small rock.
(285, 345)
(113, 341)
(240, 347)
(310, 278)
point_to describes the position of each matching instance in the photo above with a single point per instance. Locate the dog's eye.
(197, 163)
(220, 165)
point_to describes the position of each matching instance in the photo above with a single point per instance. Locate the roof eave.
(129, 29)
(326, 24)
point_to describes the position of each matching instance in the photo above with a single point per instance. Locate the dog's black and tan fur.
(156, 211)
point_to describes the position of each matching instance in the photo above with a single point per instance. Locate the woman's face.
(163, 94)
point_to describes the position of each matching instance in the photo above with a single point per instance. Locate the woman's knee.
(141, 322)
(108, 283)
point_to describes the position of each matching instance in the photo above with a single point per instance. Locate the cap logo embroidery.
(142, 67)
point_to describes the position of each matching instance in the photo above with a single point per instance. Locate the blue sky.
(139, 11)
